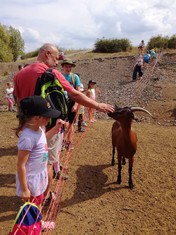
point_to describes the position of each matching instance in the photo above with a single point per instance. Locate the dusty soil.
(92, 202)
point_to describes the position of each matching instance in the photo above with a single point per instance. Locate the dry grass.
(7, 69)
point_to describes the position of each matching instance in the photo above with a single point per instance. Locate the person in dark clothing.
(137, 71)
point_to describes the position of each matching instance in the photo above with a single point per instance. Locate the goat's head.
(126, 112)
(121, 113)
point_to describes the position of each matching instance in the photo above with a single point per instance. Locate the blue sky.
(72, 24)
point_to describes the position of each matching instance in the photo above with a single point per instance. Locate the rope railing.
(54, 208)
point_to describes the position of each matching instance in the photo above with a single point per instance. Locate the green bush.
(158, 42)
(172, 42)
(29, 55)
(112, 45)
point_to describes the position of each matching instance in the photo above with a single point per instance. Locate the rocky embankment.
(114, 83)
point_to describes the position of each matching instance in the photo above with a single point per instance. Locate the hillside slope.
(156, 91)
(91, 201)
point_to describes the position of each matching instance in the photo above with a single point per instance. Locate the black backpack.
(50, 88)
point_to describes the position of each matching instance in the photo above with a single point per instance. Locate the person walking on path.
(141, 47)
(147, 57)
(137, 71)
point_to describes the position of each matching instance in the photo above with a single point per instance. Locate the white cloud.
(77, 24)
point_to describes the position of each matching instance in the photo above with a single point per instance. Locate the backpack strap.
(49, 70)
(41, 80)
(73, 80)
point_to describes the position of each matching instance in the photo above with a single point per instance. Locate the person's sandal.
(64, 176)
(48, 200)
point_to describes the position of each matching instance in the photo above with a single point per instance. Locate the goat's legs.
(130, 182)
(113, 153)
(119, 180)
(123, 161)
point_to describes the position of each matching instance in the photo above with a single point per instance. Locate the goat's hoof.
(131, 186)
(119, 181)
(112, 163)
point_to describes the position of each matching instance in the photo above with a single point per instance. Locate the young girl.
(32, 175)
(9, 96)
(91, 94)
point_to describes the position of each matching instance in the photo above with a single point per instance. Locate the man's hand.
(105, 108)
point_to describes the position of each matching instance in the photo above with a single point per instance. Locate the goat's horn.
(133, 109)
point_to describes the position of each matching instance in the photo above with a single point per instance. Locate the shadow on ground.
(91, 183)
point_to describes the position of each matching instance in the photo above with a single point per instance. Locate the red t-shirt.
(25, 80)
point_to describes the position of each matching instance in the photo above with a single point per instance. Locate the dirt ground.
(92, 202)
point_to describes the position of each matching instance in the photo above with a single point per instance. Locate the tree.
(16, 42)
(112, 45)
(172, 42)
(158, 42)
(5, 52)
(11, 44)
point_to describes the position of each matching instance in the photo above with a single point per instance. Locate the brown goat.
(124, 138)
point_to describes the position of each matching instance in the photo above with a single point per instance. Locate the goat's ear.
(136, 119)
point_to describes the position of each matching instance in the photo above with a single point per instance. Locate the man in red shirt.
(25, 81)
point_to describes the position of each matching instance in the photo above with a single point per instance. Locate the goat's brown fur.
(124, 138)
(125, 141)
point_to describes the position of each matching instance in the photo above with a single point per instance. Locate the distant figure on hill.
(141, 47)
(138, 68)
(147, 57)
(153, 54)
